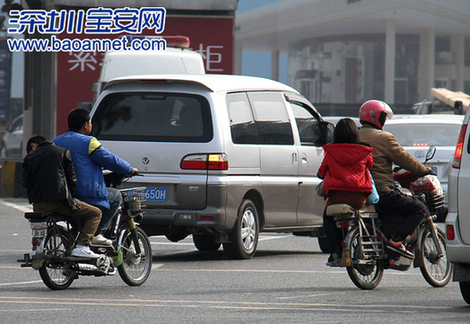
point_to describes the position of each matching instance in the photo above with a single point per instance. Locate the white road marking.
(170, 243)
(313, 295)
(267, 238)
(20, 283)
(24, 209)
(153, 241)
(35, 310)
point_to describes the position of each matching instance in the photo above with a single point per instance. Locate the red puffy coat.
(344, 168)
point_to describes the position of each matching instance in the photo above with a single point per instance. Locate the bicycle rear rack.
(370, 236)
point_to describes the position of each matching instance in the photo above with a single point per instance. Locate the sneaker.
(334, 260)
(399, 248)
(101, 240)
(85, 252)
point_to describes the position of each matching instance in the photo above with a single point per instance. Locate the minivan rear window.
(151, 116)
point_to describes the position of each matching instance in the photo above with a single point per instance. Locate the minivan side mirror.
(326, 131)
(430, 154)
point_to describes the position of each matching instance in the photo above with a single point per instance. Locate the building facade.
(348, 51)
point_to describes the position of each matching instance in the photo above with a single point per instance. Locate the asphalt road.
(286, 282)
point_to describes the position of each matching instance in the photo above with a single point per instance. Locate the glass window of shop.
(350, 69)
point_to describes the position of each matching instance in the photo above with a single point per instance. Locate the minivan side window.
(156, 117)
(271, 118)
(307, 124)
(242, 123)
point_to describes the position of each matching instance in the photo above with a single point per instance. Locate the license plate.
(155, 194)
(38, 233)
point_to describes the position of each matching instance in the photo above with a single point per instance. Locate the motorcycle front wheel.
(436, 270)
(55, 273)
(364, 276)
(135, 268)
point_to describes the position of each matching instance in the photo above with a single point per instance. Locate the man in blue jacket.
(89, 158)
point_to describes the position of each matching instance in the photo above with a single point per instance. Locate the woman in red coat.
(346, 178)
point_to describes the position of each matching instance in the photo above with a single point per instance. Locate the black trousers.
(334, 234)
(408, 207)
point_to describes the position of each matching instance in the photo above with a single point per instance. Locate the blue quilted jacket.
(89, 159)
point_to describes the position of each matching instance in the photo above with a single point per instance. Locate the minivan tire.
(465, 291)
(206, 243)
(324, 244)
(245, 233)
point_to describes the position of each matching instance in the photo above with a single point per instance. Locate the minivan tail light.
(205, 162)
(459, 148)
(217, 162)
(450, 233)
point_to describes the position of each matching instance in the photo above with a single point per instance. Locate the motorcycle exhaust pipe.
(87, 267)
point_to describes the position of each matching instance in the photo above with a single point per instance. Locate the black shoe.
(399, 248)
(334, 260)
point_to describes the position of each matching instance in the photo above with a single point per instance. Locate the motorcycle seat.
(340, 210)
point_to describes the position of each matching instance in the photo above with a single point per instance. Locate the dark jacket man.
(49, 176)
(41, 166)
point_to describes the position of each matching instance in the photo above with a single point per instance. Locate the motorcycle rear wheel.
(437, 271)
(55, 274)
(135, 269)
(365, 277)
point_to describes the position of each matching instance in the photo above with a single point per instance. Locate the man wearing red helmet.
(387, 151)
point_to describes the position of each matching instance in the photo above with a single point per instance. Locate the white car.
(12, 141)
(335, 119)
(458, 217)
(417, 132)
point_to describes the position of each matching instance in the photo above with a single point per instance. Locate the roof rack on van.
(171, 41)
(451, 97)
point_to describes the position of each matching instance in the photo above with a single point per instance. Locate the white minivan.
(458, 217)
(224, 157)
(175, 59)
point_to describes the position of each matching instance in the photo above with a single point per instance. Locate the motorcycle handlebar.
(114, 179)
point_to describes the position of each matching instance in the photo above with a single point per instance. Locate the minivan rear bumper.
(212, 216)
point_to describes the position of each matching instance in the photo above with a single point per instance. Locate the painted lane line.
(313, 295)
(300, 306)
(24, 209)
(35, 310)
(20, 283)
(170, 243)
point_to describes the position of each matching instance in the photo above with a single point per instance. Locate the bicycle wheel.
(364, 276)
(436, 270)
(55, 273)
(135, 269)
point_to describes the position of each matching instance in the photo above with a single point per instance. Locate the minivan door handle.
(294, 158)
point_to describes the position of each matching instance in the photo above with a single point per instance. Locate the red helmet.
(375, 112)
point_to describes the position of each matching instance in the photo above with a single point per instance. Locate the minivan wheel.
(244, 236)
(205, 243)
(324, 244)
(465, 291)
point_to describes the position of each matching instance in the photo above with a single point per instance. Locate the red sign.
(78, 71)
